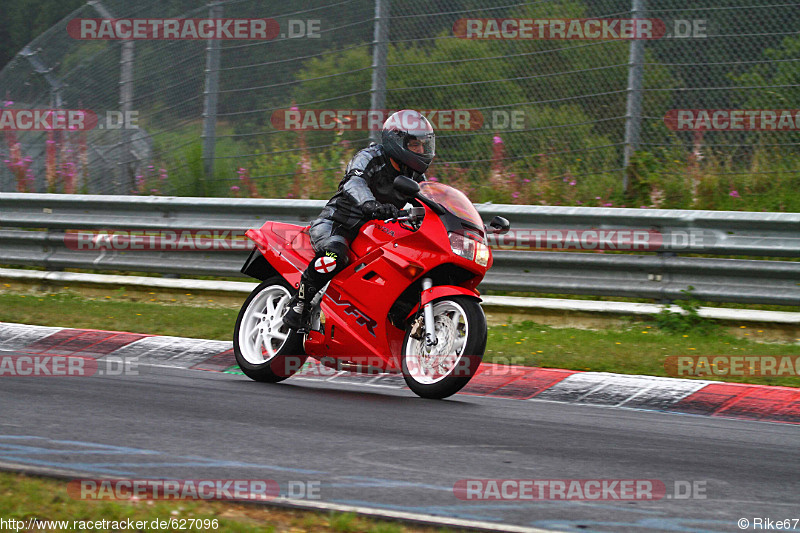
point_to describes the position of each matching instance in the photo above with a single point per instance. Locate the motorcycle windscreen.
(453, 200)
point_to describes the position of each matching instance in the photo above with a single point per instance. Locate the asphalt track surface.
(385, 448)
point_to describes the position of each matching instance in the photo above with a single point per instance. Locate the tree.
(24, 21)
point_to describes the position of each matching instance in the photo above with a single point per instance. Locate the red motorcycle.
(406, 303)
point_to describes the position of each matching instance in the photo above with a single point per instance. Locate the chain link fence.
(565, 120)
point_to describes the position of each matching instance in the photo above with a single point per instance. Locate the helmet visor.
(424, 145)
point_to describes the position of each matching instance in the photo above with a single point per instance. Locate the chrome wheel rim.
(429, 365)
(262, 332)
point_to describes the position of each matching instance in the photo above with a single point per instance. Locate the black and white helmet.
(404, 127)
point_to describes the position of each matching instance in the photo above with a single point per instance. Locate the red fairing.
(386, 259)
(287, 247)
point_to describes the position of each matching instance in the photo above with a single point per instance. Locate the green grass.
(633, 350)
(116, 314)
(726, 305)
(25, 497)
(636, 349)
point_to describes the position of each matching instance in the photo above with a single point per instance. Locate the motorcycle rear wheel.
(444, 369)
(265, 349)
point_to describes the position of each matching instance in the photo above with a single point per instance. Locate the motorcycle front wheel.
(265, 349)
(443, 369)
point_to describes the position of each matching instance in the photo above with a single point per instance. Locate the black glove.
(386, 211)
(375, 211)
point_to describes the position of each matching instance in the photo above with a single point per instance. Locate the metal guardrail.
(33, 228)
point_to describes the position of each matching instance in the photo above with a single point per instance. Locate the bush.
(688, 322)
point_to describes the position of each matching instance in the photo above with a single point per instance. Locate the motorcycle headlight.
(463, 246)
(469, 248)
(481, 254)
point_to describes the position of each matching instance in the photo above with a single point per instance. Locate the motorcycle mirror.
(500, 225)
(406, 186)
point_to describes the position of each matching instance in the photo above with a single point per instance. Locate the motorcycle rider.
(365, 193)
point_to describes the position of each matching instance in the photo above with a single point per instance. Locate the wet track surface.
(381, 447)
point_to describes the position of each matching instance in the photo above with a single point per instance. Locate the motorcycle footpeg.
(304, 329)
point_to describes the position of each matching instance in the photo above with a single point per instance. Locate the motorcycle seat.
(301, 244)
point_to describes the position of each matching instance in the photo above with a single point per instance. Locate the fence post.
(213, 52)
(126, 107)
(40, 68)
(126, 59)
(55, 92)
(633, 112)
(380, 48)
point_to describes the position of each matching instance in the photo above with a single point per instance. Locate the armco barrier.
(684, 247)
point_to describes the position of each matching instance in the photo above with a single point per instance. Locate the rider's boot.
(321, 270)
(299, 313)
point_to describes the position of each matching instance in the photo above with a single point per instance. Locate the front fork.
(427, 313)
